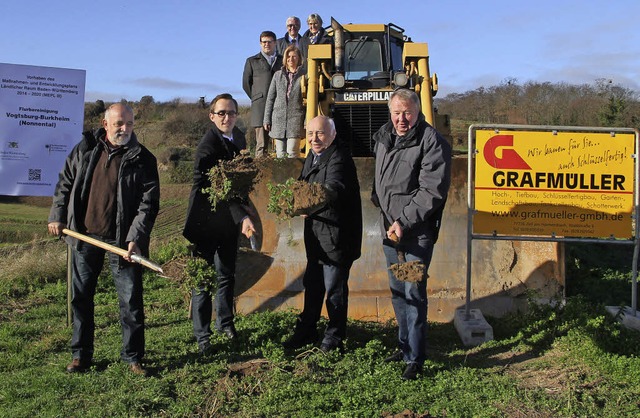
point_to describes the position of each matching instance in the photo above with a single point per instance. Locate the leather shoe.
(78, 366)
(326, 348)
(230, 332)
(299, 340)
(397, 356)
(411, 372)
(205, 349)
(136, 368)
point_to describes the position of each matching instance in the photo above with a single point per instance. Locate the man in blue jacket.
(412, 177)
(108, 190)
(332, 237)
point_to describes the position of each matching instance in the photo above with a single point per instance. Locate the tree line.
(543, 103)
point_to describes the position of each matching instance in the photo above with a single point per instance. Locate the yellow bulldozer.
(351, 79)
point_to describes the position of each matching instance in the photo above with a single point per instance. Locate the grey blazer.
(256, 79)
(285, 117)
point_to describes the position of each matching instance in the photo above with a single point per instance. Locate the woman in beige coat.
(284, 112)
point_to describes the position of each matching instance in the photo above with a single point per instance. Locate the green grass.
(570, 360)
(20, 223)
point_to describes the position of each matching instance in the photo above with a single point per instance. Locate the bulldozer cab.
(370, 60)
(352, 79)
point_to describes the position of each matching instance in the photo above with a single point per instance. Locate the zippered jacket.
(412, 179)
(138, 200)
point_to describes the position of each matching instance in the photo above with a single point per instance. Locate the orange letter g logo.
(510, 158)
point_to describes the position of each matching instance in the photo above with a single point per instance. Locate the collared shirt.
(294, 41)
(316, 158)
(271, 59)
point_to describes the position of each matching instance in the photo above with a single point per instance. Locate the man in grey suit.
(256, 78)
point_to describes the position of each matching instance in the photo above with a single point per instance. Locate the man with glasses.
(214, 233)
(256, 78)
(293, 37)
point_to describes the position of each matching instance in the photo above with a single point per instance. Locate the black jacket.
(204, 226)
(138, 200)
(333, 234)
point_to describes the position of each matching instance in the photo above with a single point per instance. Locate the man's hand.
(133, 249)
(55, 228)
(394, 233)
(247, 227)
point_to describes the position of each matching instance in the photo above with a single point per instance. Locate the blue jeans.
(318, 279)
(409, 299)
(87, 263)
(224, 261)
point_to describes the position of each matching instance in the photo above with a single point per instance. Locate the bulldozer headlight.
(337, 81)
(400, 79)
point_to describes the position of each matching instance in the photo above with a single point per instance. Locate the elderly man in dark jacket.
(214, 233)
(108, 190)
(256, 78)
(412, 177)
(332, 237)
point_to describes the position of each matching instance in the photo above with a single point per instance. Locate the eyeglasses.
(291, 25)
(223, 113)
(266, 42)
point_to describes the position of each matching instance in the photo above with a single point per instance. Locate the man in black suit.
(214, 233)
(332, 237)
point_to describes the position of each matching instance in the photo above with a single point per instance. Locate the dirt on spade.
(296, 197)
(410, 271)
(234, 178)
(308, 197)
(188, 273)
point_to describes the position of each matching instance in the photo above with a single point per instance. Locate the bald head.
(321, 131)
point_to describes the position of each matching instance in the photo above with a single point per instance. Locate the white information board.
(41, 119)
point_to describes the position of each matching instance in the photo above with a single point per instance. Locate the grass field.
(570, 360)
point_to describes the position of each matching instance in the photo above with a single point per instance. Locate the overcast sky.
(191, 48)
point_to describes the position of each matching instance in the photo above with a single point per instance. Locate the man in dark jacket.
(108, 190)
(256, 78)
(293, 37)
(412, 177)
(214, 233)
(332, 237)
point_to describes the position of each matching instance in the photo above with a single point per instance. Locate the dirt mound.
(410, 271)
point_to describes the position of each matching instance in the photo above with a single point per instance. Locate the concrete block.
(628, 317)
(473, 330)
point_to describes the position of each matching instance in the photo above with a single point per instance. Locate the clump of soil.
(410, 271)
(190, 272)
(295, 197)
(233, 178)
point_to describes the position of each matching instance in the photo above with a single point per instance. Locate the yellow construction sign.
(554, 183)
